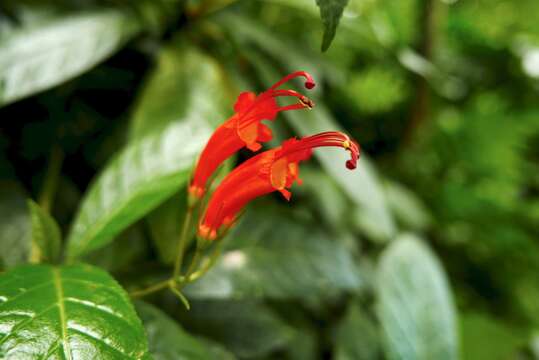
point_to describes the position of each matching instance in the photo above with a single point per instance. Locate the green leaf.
(407, 207)
(167, 340)
(186, 86)
(248, 329)
(46, 237)
(415, 307)
(142, 176)
(290, 261)
(67, 312)
(356, 336)
(484, 337)
(331, 12)
(37, 58)
(129, 248)
(15, 226)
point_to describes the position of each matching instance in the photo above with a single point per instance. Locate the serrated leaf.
(142, 176)
(331, 12)
(248, 329)
(167, 340)
(71, 312)
(37, 58)
(46, 237)
(15, 226)
(415, 307)
(290, 261)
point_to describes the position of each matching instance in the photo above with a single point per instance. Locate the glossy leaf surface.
(415, 303)
(72, 312)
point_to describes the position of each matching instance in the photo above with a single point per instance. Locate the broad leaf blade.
(15, 226)
(167, 340)
(331, 12)
(185, 86)
(67, 313)
(356, 336)
(291, 261)
(144, 174)
(248, 329)
(415, 303)
(38, 58)
(46, 237)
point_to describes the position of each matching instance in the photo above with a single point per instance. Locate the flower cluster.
(272, 170)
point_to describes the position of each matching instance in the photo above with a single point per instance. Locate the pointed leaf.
(331, 12)
(141, 177)
(72, 312)
(15, 226)
(167, 340)
(415, 303)
(186, 85)
(46, 237)
(35, 59)
(357, 336)
(248, 329)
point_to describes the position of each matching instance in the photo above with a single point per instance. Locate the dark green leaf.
(167, 340)
(15, 226)
(144, 174)
(292, 260)
(186, 86)
(356, 336)
(37, 58)
(129, 247)
(415, 303)
(248, 329)
(73, 312)
(331, 12)
(46, 236)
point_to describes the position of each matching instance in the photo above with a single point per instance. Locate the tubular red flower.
(244, 128)
(273, 170)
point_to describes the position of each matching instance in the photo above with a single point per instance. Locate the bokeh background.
(429, 251)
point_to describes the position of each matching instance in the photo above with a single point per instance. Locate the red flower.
(244, 128)
(272, 170)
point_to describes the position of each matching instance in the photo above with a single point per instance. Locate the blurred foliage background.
(429, 251)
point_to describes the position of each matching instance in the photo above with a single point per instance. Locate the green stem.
(207, 266)
(50, 184)
(180, 250)
(179, 294)
(192, 266)
(150, 289)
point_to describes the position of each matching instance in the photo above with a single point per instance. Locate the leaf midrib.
(60, 300)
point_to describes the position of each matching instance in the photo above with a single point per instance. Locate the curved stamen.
(309, 82)
(329, 138)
